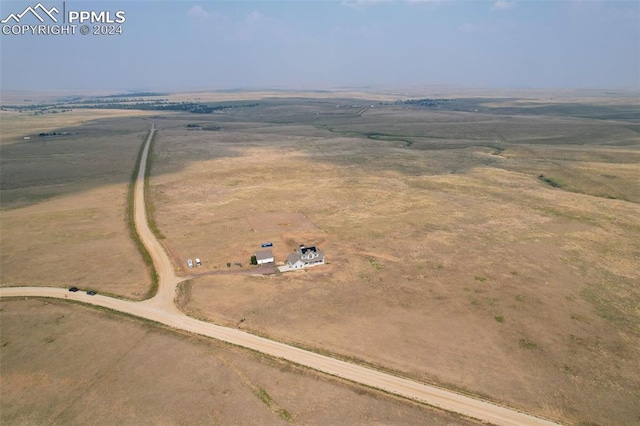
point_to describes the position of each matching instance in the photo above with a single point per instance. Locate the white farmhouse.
(304, 257)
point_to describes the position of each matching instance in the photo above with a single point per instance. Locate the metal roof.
(264, 254)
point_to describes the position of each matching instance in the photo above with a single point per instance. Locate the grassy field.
(16, 126)
(69, 364)
(496, 254)
(491, 251)
(63, 197)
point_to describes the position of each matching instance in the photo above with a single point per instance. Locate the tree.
(254, 260)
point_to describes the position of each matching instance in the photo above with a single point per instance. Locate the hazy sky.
(183, 45)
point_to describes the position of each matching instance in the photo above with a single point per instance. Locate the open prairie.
(18, 125)
(493, 251)
(70, 364)
(63, 215)
(488, 245)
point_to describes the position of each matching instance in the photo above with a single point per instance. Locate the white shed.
(264, 256)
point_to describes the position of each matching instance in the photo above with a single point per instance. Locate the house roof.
(304, 250)
(264, 254)
(297, 255)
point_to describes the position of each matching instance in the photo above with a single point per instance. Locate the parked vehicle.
(190, 263)
(198, 263)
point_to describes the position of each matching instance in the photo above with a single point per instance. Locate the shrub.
(527, 344)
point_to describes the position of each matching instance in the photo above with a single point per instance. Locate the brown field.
(15, 125)
(70, 364)
(491, 251)
(62, 220)
(450, 260)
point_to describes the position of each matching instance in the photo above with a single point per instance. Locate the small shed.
(264, 256)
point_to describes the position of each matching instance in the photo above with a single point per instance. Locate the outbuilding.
(264, 256)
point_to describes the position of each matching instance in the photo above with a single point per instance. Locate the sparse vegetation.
(140, 351)
(375, 263)
(264, 396)
(285, 415)
(554, 182)
(527, 344)
(377, 200)
(370, 194)
(68, 195)
(183, 294)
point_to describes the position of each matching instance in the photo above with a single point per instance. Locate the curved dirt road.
(162, 310)
(167, 279)
(433, 396)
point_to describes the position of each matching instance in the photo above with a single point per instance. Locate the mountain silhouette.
(32, 10)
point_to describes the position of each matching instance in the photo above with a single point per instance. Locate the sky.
(186, 45)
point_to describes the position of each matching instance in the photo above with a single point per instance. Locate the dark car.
(73, 289)
(91, 293)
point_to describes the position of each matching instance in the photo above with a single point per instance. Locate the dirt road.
(433, 396)
(167, 279)
(161, 308)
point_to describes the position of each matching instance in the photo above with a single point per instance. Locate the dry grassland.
(507, 97)
(16, 125)
(70, 364)
(450, 261)
(231, 96)
(79, 239)
(62, 220)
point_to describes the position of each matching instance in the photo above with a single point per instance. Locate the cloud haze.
(173, 45)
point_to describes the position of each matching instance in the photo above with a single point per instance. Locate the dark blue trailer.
(267, 244)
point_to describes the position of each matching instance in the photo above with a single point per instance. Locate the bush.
(555, 183)
(526, 344)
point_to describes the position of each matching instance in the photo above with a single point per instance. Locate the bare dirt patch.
(70, 364)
